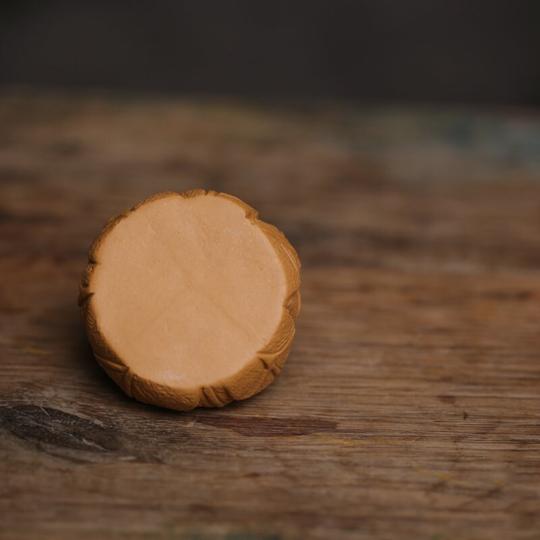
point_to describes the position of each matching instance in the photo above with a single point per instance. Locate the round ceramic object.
(190, 300)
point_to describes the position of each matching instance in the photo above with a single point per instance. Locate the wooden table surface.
(410, 404)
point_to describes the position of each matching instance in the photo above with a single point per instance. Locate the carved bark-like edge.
(251, 380)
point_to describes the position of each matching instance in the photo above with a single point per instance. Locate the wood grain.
(410, 405)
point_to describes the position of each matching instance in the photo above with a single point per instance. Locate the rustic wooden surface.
(410, 405)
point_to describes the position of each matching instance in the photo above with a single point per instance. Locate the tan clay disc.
(189, 300)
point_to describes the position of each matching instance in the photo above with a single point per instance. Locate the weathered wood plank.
(410, 405)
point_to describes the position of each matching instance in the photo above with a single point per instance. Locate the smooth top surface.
(409, 405)
(187, 290)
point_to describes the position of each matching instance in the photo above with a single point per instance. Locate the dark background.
(457, 51)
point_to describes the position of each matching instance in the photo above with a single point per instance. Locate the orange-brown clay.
(189, 300)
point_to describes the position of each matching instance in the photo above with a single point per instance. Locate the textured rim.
(256, 374)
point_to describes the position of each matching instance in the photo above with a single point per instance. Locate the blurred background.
(459, 51)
